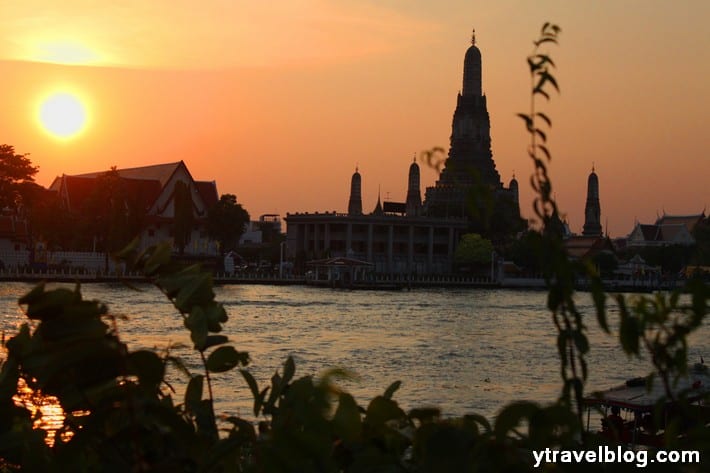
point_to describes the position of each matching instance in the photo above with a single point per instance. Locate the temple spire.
(592, 210)
(355, 202)
(414, 196)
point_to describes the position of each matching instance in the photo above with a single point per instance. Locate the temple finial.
(473, 36)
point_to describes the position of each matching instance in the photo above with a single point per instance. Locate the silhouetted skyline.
(278, 103)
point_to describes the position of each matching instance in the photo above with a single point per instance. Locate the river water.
(463, 350)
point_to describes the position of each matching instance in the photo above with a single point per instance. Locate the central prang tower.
(470, 162)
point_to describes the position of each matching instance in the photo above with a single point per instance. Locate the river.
(463, 350)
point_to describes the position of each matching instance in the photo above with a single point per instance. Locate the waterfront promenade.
(378, 281)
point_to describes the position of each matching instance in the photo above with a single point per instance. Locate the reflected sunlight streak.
(46, 411)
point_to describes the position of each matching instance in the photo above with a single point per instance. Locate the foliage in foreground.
(122, 414)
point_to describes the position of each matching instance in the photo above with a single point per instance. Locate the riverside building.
(417, 236)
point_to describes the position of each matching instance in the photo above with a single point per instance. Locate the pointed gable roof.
(156, 172)
(586, 246)
(147, 184)
(649, 232)
(208, 192)
(689, 221)
(76, 190)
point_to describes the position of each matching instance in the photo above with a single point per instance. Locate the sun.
(62, 115)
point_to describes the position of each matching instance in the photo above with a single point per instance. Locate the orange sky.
(279, 101)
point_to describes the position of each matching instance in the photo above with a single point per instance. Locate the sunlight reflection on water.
(46, 411)
(463, 350)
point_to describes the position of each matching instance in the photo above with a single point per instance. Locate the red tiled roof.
(80, 189)
(142, 190)
(56, 184)
(156, 172)
(208, 192)
(143, 184)
(77, 190)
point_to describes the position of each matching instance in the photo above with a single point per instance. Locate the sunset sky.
(279, 101)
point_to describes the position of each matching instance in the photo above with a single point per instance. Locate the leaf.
(216, 315)
(204, 418)
(545, 60)
(629, 334)
(545, 40)
(599, 297)
(541, 134)
(214, 340)
(193, 392)
(158, 257)
(389, 392)
(553, 81)
(259, 400)
(545, 151)
(513, 416)
(532, 65)
(243, 431)
(148, 366)
(381, 410)
(347, 422)
(178, 364)
(580, 341)
(172, 282)
(197, 290)
(289, 369)
(477, 419)
(562, 338)
(554, 298)
(51, 303)
(34, 295)
(254, 388)
(225, 358)
(540, 91)
(196, 322)
(128, 250)
(528, 121)
(545, 118)
(251, 382)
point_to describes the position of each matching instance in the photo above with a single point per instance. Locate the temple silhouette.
(420, 236)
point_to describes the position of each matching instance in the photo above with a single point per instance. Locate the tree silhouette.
(16, 170)
(226, 221)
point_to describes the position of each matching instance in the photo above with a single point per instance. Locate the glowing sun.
(62, 115)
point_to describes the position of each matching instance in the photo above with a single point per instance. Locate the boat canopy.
(635, 393)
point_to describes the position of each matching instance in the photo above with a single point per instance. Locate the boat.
(647, 410)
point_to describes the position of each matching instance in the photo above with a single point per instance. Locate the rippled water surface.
(464, 350)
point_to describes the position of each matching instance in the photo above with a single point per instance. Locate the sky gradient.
(279, 101)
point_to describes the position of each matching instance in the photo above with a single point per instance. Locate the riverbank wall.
(386, 282)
